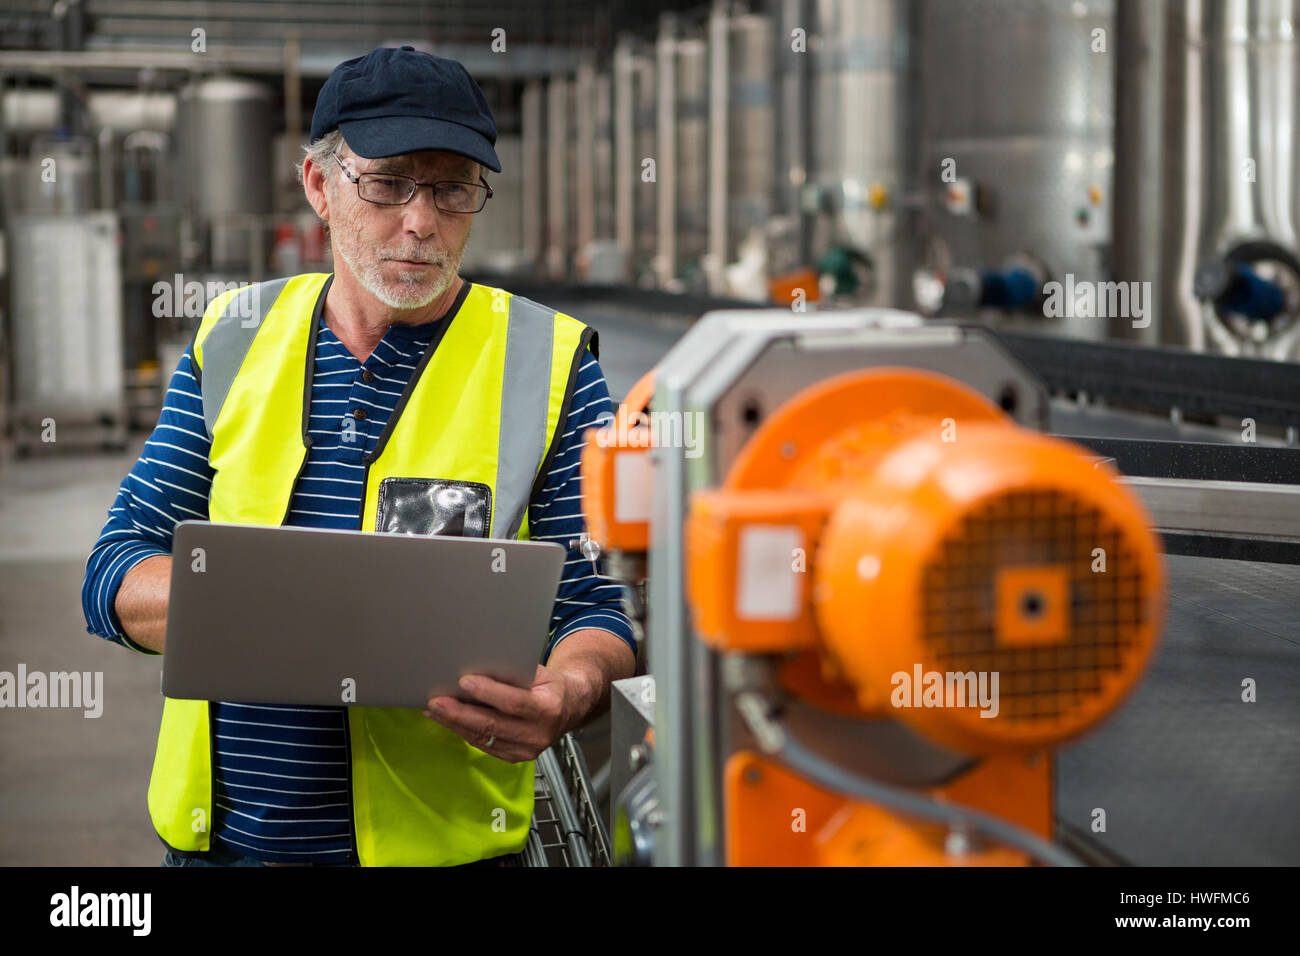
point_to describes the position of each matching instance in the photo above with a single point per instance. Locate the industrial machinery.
(68, 333)
(1226, 202)
(880, 596)
(1015, 155)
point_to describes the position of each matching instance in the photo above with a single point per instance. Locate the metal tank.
(224, 174)
(561, 195)
(57, 177)
(1017, 104)
(691, 131)
(792, 147)
(751, 158)
(624, 149)
(105, 170)
(600, 257)
(1232, 276)
(665, 158)
(29, 111)
(65, 298)
(532, 113)
(584, 173)
(636, 212)
(602, 106)
(46, 166)
(859, 149)
(129, 111)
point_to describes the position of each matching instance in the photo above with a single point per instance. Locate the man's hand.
(510, 722)
(517, 724)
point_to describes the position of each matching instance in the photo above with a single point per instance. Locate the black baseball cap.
(399, 100)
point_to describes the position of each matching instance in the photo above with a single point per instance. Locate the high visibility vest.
(482, 412)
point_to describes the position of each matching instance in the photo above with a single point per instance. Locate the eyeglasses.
(389, 189)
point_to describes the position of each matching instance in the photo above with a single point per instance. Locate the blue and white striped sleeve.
(586, 598)
(169, 483)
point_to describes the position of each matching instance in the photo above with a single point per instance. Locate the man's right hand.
(141, 603)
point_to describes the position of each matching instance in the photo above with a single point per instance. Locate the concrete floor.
(72, 788)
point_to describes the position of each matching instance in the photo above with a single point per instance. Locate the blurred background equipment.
(959, 159)
(68, 365)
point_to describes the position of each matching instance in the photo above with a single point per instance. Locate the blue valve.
(1013, 288)
(1234, 288)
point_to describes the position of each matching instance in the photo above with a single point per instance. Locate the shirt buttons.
(358, 413)
(367, 375)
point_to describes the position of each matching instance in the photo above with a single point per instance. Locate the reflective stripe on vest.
(524, 399)
(227, 344)
(484, 405)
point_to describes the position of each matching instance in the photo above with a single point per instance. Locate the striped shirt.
(282, 774)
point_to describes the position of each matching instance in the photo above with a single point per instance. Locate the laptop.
(284, 615)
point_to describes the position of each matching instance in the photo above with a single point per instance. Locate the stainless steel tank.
(1231, 193)
(119, 121)
(859, 51)
(600, 258)
(129, 111)
(224, 174)
(57, 177)
(751, 157)
(1016, 104)
(532, 112)
(602, 106)
(560, 215)
(691, 123)
(584, 172)
(30, 111)
(645, 212)
(66, 301)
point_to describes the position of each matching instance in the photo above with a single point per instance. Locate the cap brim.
(394, 135)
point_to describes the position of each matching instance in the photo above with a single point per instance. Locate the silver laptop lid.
(284, 615)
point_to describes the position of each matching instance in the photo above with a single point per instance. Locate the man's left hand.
(514, 724)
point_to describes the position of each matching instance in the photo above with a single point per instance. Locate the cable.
(776, 741)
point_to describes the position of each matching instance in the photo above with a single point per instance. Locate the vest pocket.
(426, 506)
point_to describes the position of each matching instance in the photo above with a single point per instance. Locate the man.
(299, 402)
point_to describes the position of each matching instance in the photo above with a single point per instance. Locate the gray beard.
(372, 280)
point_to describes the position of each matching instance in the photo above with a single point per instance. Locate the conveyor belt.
(1161, 378)
(1187, 773)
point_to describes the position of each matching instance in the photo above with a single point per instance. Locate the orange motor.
(994, 587)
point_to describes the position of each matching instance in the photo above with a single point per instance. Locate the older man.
(393, 395)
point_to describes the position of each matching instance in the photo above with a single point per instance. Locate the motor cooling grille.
(1046, 590)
